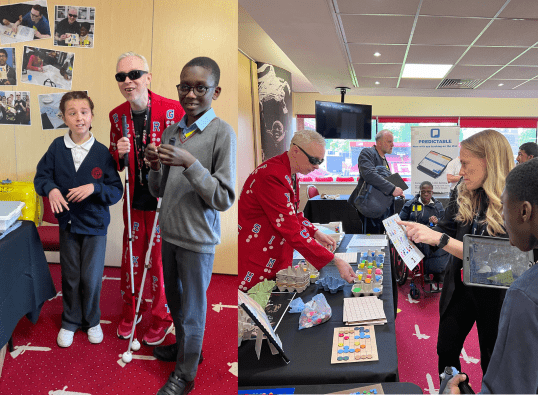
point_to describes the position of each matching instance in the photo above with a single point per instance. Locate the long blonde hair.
(495, 149)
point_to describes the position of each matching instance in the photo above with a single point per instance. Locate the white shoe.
(65, 338)
(95, 334)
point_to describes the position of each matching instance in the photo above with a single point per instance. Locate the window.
(340, 155)
(341, 158)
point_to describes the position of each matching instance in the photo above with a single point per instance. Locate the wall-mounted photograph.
(49, 107)
(14, 107)
(47, 67)
(74, 26)
(8, 74)
(22, 22)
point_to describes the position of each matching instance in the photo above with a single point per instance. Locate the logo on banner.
(435, 132)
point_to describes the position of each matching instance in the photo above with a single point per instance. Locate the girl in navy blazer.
(79, 176)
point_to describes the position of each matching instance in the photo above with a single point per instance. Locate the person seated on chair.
(425, 209)
(512, 369)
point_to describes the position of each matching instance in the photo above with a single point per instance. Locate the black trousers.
(469, 305)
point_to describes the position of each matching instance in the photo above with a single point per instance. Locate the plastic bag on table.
(297, 305)
(316, 311)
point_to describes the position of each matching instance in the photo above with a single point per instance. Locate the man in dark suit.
(369, 159)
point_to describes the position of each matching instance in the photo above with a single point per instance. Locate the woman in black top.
(474, 208)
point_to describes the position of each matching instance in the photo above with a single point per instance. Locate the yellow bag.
(24, 192)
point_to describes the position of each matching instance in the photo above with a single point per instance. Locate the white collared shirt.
(422, 202)
(79, 152)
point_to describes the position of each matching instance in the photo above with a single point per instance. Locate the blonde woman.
(474, 208)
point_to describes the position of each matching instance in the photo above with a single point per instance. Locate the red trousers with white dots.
(141, 226)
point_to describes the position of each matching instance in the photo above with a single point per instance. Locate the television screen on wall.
(335, 120)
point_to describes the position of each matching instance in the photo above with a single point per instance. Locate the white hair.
(129, 54)
(304, 137)
(382, 133)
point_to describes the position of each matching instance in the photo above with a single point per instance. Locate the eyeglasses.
(199, 90)
(312, 160)
(133, 75)
(35, 15)
(72, 15)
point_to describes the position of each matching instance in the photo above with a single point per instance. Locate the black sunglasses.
(133, 75)
(72, 15)
(312, 160)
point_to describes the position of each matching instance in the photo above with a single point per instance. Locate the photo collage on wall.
(14, 107)
(73, 27)
(47, 67)
(24, 22)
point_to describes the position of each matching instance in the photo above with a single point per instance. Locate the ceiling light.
(501, 84)
(377, 54)
(421, 71)
(377, 83)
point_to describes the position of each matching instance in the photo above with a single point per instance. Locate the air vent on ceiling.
(459, 83)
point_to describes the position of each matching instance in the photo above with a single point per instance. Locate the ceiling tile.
(472, 72)
(520, 9)
(494, 84)
(365, 53)
(517, 73)
(369, 82)
(434, 54)
(447, 31)
(529, 58)
(377, 70)
(374, 29)
(461, 8)
(529, 85)
(490, 55)
(419, 83)
(510, 33)
(408, 7)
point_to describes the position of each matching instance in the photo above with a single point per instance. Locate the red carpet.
(94, 369)
(416, 339)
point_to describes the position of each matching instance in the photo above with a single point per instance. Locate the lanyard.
(140, 150)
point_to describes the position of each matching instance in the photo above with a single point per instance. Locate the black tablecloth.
(309, 350)
(388, 388)
(319, 210)
(25, 278)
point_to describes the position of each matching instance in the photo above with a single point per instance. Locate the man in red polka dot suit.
(270, 225)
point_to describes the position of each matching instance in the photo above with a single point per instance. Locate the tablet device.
(397, 180)
(493, 262)
(434, 164)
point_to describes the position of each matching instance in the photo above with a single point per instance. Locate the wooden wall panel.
(182, 32)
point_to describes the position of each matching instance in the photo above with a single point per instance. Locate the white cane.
(127, 356)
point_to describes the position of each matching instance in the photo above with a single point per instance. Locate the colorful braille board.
(354, 344)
